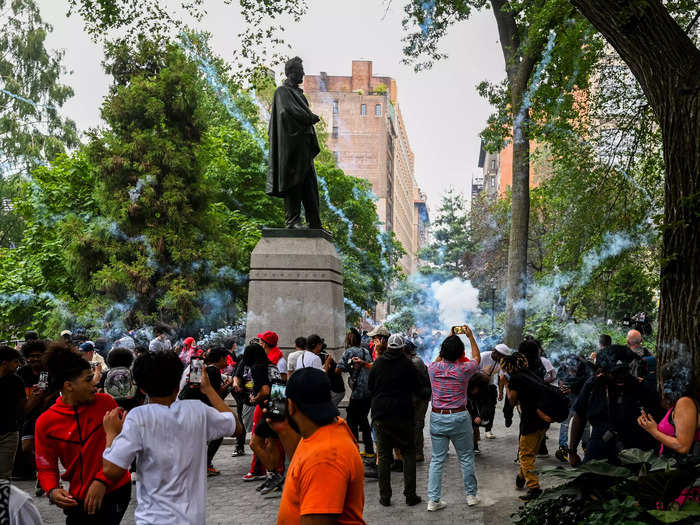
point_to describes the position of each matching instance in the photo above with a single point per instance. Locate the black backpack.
(553, 402)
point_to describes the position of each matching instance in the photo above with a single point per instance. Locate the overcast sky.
(441, 108)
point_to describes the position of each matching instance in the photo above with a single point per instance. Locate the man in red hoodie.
(71, 431)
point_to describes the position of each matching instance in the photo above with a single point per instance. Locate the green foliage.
(448, 253)
(412, 306)
(381, 89)
(31, 130)
(600, 492)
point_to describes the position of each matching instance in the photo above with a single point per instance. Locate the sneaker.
(386, 502)
(275, 481)
(509, 422)
(489, 435)
(519, 482)
(436, 505)
(253, 477)
(476, 450)
(211, 471)
(415, 499)
(397, 466)
(263, 485)
(240, 451)
(531, 494)
(472, 500)
(275, 492)
(562, 454)
(38, 491)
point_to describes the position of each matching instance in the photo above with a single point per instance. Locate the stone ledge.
(293, 233)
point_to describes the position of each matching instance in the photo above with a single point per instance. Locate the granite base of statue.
(296, 288)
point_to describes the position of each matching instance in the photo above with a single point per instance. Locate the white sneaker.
(472, 500)
(436, 505)
(489, 435)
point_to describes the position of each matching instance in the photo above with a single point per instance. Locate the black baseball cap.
(310, 389)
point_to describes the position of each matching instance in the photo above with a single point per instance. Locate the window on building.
(493, 164)
(363, 109)
(335, 132)
(335, 156)
(378, 110)
(335, 107)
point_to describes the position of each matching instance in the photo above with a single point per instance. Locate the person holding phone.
(167, 438)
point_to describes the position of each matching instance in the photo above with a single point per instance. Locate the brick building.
(369, 140)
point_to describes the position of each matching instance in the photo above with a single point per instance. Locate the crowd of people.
(156, 414)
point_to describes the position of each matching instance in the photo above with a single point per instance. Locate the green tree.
(32, 132)
(448, 253)
(528, 32)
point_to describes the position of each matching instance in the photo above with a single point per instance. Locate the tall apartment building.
(369, 140)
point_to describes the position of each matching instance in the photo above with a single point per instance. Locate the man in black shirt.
(393, 380)
(612, 401)
(11, 408)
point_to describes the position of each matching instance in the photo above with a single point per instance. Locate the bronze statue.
(293, 146)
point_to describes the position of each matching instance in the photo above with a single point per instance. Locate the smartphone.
(460, 330)
(196, 366)
(278, 403)
(43, 381)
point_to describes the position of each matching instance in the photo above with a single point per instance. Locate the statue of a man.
(293, 146)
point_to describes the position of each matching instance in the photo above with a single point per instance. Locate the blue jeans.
(564, 432)
(456, 428)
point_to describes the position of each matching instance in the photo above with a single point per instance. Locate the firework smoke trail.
(135, 192)
(220, 89)
(428, 8)
(534, 85)
(36, 105)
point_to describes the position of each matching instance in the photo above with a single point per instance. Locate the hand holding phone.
(195, 376)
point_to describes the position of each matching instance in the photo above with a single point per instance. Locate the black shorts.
(264, 431)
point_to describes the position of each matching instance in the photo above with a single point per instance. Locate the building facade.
(368, 138)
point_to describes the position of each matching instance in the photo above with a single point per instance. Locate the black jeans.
(240, 440)
(114, 505)
(308, 194)
(490, 406)
(393, 434)
(358, 418)
(212, 448)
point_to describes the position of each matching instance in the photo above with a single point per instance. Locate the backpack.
(119, 383)
(553, 402)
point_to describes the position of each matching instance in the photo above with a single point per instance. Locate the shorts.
(263, 430)
(28, 428)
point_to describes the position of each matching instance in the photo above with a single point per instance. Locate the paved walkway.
(231, 501)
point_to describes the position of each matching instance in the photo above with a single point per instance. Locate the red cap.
(269, 337)
(189, 341)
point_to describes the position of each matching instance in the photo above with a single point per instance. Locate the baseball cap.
(269, 337)
(379, 330)
(396, 342)
(66, 332)
(87, 346)
(503, 349)
(310, 389)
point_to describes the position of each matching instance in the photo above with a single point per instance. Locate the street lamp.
(493, 304)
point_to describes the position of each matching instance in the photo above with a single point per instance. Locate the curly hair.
(158, 373)
(35, 346)
(512, 363)
(451, 348)
(64, 363)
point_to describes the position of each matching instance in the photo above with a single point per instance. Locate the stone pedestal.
(296, 288)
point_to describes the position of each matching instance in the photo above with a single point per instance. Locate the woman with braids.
(71, 431)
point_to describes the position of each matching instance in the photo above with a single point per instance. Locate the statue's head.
(294, 69)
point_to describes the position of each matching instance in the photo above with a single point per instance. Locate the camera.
(196, 366)
(278, 403)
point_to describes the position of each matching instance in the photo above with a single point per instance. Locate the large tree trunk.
(519, 224)
(667, 65)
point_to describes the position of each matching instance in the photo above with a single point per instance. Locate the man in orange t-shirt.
(325, 478)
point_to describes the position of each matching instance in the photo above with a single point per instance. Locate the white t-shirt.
(550, 374)
(292, 360)
(307, 359)
(169, 446)
(22, 510)
(489, 366)
(282, 365)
